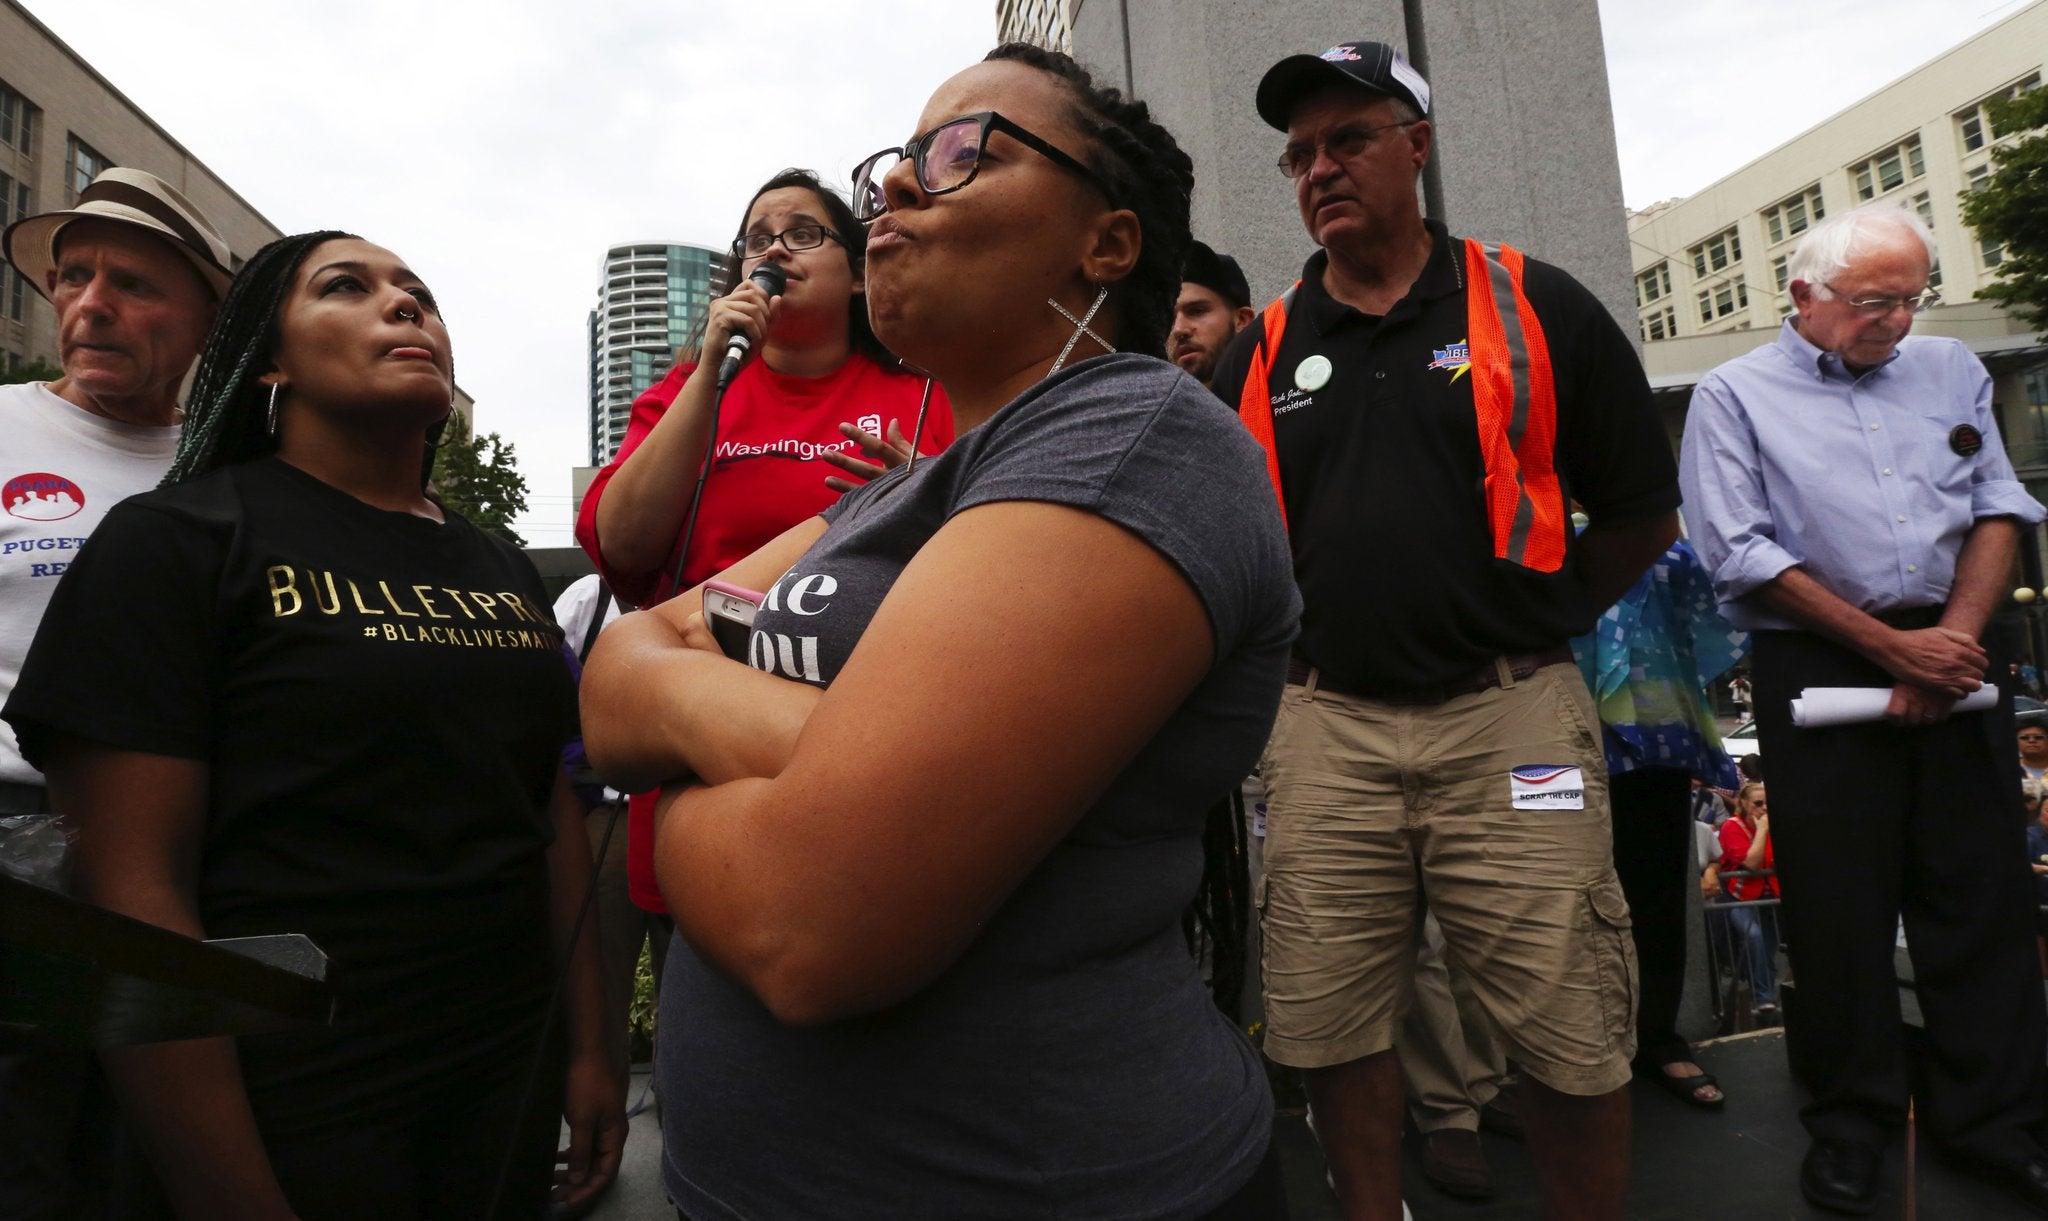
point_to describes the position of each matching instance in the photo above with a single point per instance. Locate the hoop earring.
(273, 410)
(1080, 327)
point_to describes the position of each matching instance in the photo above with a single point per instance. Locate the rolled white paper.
(1819, 706)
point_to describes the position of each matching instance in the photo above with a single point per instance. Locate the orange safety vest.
(1514, 400)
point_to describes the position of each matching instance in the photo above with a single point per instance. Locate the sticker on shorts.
(1547, 786)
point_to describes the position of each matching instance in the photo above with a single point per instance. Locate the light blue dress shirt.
(1791, 459)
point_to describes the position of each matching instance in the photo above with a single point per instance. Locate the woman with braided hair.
(288, 692)
(928, 861)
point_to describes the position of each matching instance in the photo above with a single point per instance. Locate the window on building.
(1654, 284)
(17, 295)
(1992, 251)
(17, 121)
(1717, 253)
(1792, 216)
(1975, 127)
(1780, 277)
(1923, 207)
(82, 164)
(13, 199)
(1970, 126)
(1659, 324)
(1721, 300)
(1889, 169)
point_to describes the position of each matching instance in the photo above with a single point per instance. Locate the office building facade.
(61, 123)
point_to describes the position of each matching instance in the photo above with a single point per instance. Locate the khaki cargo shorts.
(1490, 808)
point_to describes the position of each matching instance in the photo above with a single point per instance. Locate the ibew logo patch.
(1457, 358)
(1547, 786)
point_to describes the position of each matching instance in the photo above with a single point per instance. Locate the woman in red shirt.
(1746, 846)
(819, 386)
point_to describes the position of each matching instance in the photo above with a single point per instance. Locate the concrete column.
(1524, 129)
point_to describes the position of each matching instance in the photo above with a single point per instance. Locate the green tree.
(33, 371)
(479, 479)
(2011, 206)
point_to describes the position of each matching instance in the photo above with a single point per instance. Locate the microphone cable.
(772, 280)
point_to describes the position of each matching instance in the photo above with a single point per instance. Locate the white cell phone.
(729, 613)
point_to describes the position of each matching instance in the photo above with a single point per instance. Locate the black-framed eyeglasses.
(1347, 144)
(947, 158)
(794, 239)
(1877, 306)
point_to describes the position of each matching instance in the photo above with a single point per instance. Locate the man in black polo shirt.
(1430, 408)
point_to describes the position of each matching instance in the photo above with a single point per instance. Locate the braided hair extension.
(1147, 172)
(227, 413)
(1216, 924)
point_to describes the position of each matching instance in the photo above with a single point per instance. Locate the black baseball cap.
(1372, 65)
(1217, 272)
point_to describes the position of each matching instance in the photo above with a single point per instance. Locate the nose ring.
(408, 315)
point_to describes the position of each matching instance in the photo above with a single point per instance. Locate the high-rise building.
(650, 304)
(1045, 23)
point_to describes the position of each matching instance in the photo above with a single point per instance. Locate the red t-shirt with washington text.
(767, 471)
(767, 474)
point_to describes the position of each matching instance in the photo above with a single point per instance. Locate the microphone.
(772, 280)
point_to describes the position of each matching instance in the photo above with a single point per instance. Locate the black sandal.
(1686, 1089)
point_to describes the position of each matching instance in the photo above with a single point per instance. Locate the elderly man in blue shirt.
(1847, 491)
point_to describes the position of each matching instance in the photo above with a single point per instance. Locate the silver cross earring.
(1080, 327)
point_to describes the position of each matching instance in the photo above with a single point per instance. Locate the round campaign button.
(1965, 440)
(1313, 374)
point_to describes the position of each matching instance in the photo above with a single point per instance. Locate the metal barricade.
(1745, 956)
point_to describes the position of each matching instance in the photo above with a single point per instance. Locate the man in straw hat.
(135, 273)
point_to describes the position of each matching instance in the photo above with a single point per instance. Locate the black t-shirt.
(381, 701)
(1384, 480)
(1070, 1062)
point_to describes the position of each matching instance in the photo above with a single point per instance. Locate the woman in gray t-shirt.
(929, 887)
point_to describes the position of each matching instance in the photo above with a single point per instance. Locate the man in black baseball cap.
(1425, 401)
(1215, 303)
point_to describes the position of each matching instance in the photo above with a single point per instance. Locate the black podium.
(78, 973)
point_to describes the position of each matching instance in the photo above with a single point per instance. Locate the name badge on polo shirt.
(1547, 786)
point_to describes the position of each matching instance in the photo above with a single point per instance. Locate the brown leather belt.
(1521, 665)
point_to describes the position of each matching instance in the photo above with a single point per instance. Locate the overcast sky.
(500, 146)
